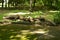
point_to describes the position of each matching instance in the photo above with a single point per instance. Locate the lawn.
(23, 31)
(33, 14)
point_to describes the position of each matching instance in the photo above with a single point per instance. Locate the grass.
(4, 12)
(48, 15)
(34, 14)
(15, 31)
(1, 16)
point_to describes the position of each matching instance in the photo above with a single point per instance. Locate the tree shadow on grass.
(14, 32)
(9, 32)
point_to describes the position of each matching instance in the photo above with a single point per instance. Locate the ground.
(29, 32)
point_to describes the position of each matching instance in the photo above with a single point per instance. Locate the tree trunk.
(34, 3)
(2, 3)
(5, 3)
(31, 2)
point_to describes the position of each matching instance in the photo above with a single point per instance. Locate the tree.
(34, 1)
(2, 3)
(31, 2)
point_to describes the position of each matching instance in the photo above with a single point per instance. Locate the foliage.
(57, 18)
(49, 4)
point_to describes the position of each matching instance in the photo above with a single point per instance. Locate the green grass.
(4, 12)
(1, 16)
(14, 31)
(33, 14)
(48, 15)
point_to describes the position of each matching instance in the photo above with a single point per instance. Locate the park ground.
(29, 32)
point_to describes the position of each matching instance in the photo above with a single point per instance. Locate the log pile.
(38, 20)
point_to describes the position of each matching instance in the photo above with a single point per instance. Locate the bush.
(57, 18)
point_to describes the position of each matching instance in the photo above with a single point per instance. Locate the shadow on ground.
(22, 32)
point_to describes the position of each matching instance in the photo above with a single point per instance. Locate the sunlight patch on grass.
(53, 11)
(1, 16)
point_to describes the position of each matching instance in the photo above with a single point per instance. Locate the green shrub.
(57, 18)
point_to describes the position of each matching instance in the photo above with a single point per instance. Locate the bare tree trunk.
(31, 2)
(5, 3)
(2, 3)
(34, 1)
